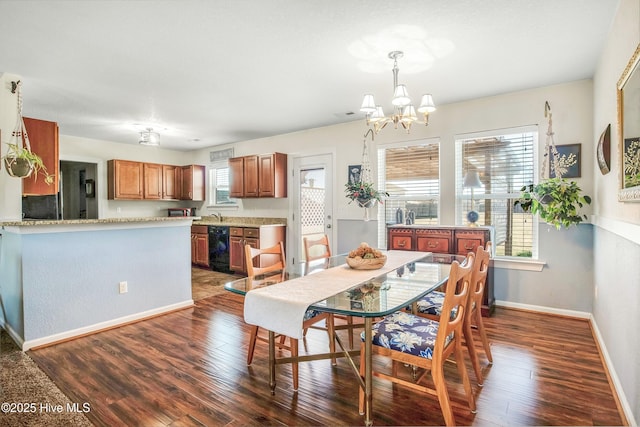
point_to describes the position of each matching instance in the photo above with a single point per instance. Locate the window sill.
(222, 207)
(518, 264)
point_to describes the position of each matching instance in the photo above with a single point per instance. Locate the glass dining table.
(376, 297)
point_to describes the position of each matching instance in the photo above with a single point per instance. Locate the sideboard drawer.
(434, 240)
(403, 243)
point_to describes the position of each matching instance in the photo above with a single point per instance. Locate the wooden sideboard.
(444, 240)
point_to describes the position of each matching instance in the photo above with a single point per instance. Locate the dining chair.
(311, 317)
(431, 306)
(319, 248)
(426, 344)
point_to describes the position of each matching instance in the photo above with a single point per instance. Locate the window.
(411, 176)
(505, 162)
(219, 185)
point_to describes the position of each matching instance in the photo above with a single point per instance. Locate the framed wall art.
(569, 161)
(629, 131)
(354, 173)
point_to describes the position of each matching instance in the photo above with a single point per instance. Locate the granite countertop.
(241, 221)
(36, 222)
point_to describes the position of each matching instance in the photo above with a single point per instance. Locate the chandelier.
(149, 137)
(404, 112)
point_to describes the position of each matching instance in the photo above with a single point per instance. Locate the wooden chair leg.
(252, 344)
(437, 373)
(360, 390)
(462, 370)
(350, 324)
(330, 322)
(473, 354)
(483, 336)
(294, 365)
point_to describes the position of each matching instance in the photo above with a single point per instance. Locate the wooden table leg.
(272, 362)
(368, 376)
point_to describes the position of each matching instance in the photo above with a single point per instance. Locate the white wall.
(10, 188)
(617, 234)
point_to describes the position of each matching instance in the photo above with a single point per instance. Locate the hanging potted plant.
(21, 162)
(364, 193)
(556, 200)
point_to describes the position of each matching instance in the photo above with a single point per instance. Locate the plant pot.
(366, 203)
(17, 167)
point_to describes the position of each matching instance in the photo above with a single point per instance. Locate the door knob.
(328, 225)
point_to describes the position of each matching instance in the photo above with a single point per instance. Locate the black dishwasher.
(219, 248)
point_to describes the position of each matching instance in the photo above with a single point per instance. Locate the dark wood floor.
(188, 369)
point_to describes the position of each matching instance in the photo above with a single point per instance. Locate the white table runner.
(281, 307)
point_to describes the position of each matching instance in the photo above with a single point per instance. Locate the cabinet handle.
(469, 247)
(402, 244)
(433, 244)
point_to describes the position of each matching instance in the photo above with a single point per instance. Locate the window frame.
(214, 187)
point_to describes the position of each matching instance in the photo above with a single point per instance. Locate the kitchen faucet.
(217, 215)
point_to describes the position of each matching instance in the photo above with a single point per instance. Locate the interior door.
(312, 203)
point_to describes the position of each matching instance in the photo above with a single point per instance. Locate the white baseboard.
(26, 345)
(543, 309)
(605, 354)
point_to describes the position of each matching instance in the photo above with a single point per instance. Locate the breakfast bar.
(62, 279)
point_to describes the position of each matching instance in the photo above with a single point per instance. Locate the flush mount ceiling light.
(404, 112)
(149, 137)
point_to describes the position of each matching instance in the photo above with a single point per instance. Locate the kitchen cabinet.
(153, 181)
(171, 182)
(193, 183)
(43, 138)
(130, 180)
(125, 180)
(445, 240)
(256, 237)
(200, 245)
(263, 175)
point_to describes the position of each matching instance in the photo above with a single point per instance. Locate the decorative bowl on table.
(366, 258)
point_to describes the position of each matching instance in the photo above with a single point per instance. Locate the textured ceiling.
(205, 73)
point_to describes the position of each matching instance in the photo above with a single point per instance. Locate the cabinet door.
(400, 239)
(236, 254)
(43, 138)
(202, 250)
(266, 175)
(434, 240)
(469, 240)
(251, 176)
(152, 181)
(193, 183)
(236, 177)
(125, 180)
(170, 181)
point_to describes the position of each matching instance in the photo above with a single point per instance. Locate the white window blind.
(410, 173)
(505, 162)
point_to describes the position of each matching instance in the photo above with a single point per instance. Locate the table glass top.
(379, 296)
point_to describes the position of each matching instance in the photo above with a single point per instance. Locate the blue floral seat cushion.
(407, 333)
(431, 303)
(309, 314)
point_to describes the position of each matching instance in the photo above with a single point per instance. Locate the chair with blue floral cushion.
(311, 317)
(431, 306)
(426, 344)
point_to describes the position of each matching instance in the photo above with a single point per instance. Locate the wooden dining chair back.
(277, 255)
(473, 318)
(431, 306)
(316, 248)
(426, 344)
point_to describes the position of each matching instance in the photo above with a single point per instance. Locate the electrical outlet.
(124, 287)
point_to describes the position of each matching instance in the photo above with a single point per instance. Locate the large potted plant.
(556, 200)
(21, 162)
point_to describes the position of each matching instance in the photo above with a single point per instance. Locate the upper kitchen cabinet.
(193, 183)
(43, 138)
(126, 180)
(263, 175)
(171, 182)
(153, 181)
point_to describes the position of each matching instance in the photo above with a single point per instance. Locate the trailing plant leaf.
(556, 200)
(363, 191)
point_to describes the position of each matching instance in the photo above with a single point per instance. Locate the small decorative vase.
(18, 168)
